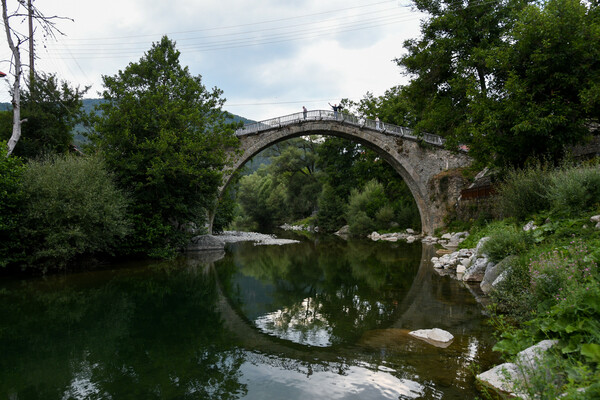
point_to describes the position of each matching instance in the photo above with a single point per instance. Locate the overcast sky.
(270, 57)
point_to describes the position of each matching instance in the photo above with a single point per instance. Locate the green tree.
(449, 62)
(330, 217)
(165, 137)
(262, 198)
(51, 110)
(550, 94)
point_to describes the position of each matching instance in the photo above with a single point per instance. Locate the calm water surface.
(323, 318)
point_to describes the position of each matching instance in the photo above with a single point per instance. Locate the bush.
(330, 216)
(361, 224)
(524, 192)
(11, 171)
(363, 207)
(574, 189)
(72, 208)
(507, 241)
(384, 217)
(513, 294)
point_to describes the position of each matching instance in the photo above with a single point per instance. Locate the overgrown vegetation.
(59, 209)
(552, 288)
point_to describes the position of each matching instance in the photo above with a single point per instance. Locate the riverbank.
(539, 267)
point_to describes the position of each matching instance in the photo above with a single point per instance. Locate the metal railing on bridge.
(341, 117)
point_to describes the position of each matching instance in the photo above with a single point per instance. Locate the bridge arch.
(416, 163)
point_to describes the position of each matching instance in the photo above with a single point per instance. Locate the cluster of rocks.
(288, 227)
(203, 243)
(472, 265)
(448, 240)
(596, 219)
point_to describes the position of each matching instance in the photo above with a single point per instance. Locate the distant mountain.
(89, 105)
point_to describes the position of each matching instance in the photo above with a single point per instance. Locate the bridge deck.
(342, 118)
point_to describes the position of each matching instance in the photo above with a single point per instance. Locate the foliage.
(549, 69)
(262, 199)
(225, 212)
(347, 165)
(330, 217)
(11, 170)
(363, 208)
(51, 109)
(71, 208)
(565, 298)
(449, 62)
(524, 191)
(511, 79)
(575, 189)
(507, 241)
(164, 136)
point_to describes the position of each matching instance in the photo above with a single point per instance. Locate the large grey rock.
(493, 271)
(504, 377)
(437, 337)
(478, 251)
(205, 243)
(476, 272)
(344, 231)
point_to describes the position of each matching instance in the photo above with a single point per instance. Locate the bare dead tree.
(24, 9)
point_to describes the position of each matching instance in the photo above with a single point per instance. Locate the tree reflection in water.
(335, 316)
(319, 293)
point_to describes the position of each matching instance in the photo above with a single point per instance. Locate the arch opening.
(253, 145)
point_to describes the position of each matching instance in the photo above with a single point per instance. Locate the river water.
(320, 319)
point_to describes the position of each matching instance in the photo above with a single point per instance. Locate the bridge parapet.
(343, 118)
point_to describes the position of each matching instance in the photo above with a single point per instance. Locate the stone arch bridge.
(422, 161)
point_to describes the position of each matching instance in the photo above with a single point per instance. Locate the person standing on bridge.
(377, 123)
(335, 110)
(304, 111)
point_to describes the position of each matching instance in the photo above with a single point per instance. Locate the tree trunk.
(16, 97)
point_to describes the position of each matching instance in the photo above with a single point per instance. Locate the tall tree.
(448, 63)
(165, 137)
(15, 39)
(52, 113)
(549, 99)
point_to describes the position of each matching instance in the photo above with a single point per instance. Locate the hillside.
(89, 106)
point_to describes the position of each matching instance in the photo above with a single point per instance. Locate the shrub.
(524, 192)
(513, 294)
(384, 216)
(574, 189)
(370, 199)
(557, 274)
(11, 171)
(72, 208)
(507, 241)
(330, 216)
(361, 224)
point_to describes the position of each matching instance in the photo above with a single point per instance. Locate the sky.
(270, 57)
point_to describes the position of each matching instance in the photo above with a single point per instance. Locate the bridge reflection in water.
(367, 359)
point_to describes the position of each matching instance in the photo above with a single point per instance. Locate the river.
(323, 318)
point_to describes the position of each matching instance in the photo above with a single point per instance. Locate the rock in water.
(437, 337)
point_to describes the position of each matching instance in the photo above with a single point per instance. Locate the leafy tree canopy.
(164, 135)
(52, 109)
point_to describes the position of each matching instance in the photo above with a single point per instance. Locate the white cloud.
(283, 52)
